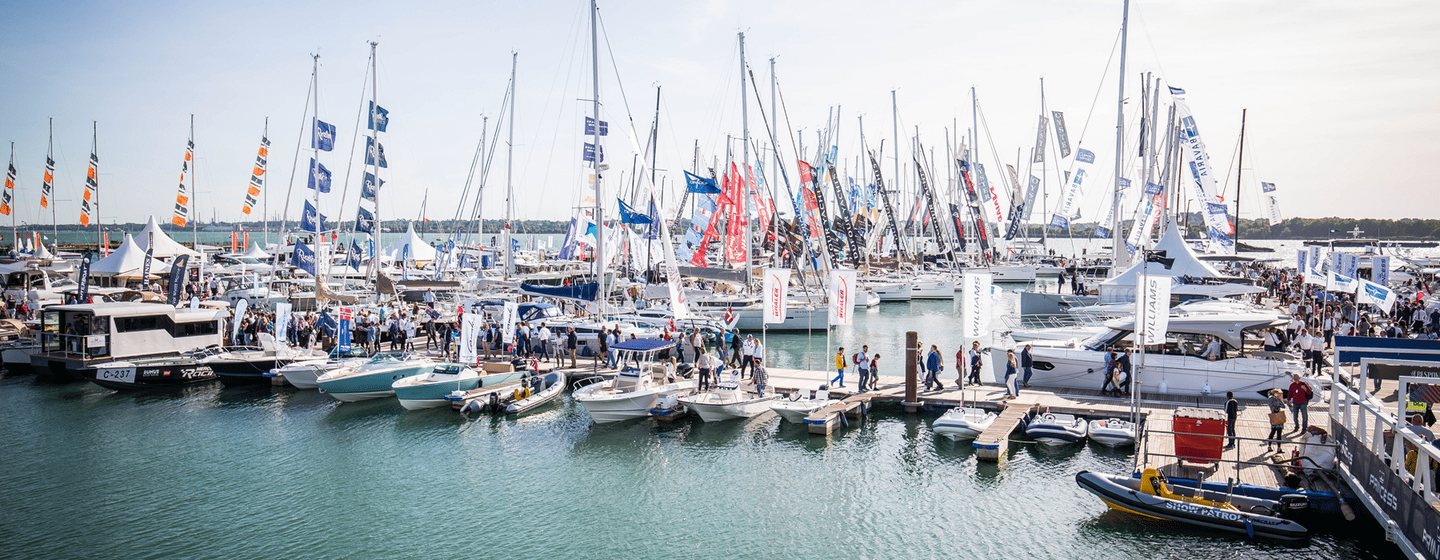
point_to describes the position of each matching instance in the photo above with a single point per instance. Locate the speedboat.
(1056, 429)
(544, 390)
(303, 374)
(151, 373)
(371, 380)
(932, 286)
(428, 390)
(728, 402)
(635, 388)
(1150, 495)
(891, 290)
(795, 410)
(250, 365)
(1112, 432)
(963, 422)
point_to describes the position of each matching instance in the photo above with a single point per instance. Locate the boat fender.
(471, 407)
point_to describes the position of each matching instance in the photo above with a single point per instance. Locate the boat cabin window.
(141, 323)
(197, 328)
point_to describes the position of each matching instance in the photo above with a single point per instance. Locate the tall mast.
(1044, 182)
(378, 233)
(745, 159)
(1239, 170)
(509, 173)
(95, 150)
(265, 186)
(1117, 240)
(774, 169)
(315, 159)
(654, 155)
(194, 206)
(895, 131)
(49, 157)
(14, 236)
(595, 161)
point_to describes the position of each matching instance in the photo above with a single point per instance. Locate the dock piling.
(912, 403)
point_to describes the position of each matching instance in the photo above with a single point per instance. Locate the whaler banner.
(988, 192)
(1070, 197)
(1217, 222)
(976, 304)
(1152, 308)
(842, 296)
(777, 286)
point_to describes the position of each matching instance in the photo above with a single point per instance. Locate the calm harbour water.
(266, 473)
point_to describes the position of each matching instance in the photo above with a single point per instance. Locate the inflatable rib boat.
(1150, 496)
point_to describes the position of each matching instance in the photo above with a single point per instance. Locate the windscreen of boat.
(1102, 339)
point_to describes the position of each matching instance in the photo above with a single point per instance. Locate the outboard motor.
(1291, 504)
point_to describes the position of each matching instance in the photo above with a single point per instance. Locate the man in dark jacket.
(1027, 362)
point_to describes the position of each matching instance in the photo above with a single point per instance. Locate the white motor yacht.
(635, 388)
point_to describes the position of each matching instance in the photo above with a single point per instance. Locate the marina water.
(259, 472)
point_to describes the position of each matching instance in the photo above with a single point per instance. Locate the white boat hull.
(960, 423)
(722, 409)
(1112, 432)
(795, 412)
(605, 406)
(1165, 374)
(932, 288)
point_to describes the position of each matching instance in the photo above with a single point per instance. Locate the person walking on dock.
(874, 371)
(1300, 395)
(839, 379)
(1232, 414)
(862, 365)
(1277, 420)
(1012, 375)
(932, 369)
(1027, 361)
(572, 342)
(975, 361)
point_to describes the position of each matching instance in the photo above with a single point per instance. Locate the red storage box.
(1199, 434)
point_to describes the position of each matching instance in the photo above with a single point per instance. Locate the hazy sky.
(1343, 97)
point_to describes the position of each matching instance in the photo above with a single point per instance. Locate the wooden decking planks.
(992, 444)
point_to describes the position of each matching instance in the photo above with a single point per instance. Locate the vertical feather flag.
(182, 197)
(47, 184)
(257, 177)
(91, 185)
(7, 197)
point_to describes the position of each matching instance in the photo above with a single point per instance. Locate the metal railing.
(1375, 430)
(1236, 463)
(75, 345)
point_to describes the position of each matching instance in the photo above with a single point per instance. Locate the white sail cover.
(420, 251)
(160, 244)
(128, 261)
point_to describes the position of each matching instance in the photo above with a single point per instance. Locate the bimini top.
(643, 345)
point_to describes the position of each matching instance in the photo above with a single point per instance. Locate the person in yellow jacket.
(839, 380)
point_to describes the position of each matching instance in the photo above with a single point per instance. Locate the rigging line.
(1130, 158)
(1098, 88)
(295, 162)
(624, 100)
(350, 160)
(470, 176)
(581, 13)
(493, 145)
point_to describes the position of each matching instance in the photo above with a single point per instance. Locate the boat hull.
(605, 407)
(796, 412)
(245, 372)
(373, 384)
(149, 377)
(721, 410)
(1078, 368)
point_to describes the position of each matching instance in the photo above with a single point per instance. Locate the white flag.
(240, 309)
(1152, 309)
(1375, 294)
(1380, 270)
(976, 305)
(282, 322)
(777, 287)
(842, 296)
(510, 317)
(1335, 282)
(469, 330)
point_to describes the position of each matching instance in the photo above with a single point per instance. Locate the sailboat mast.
(774, 169)
(509, 173)
(315, 160)
(895, 131)
(654, 155)
(14, 235)
(1239, 170)
(595, 161)
(265, 187)
(1044, 181)
(95, 151)
(194, 206)
(745, 159)
(1117, 239)
(378, 235)
(50, 157)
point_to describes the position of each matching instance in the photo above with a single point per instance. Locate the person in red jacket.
(1299, 396)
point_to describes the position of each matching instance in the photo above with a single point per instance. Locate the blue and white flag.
(370, 186)
(354, 256)
(309, 221)
(589, 153)
(629, 216)
(375, 153)
(364, 221)
(319, 177)
(323, 136)
(379, 118)
(700, 185)
(1375, 294)
(1267, 187)
(1380, 269)
(304, 258)
(1301, 256)
(1070, 197)
(590, 127)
